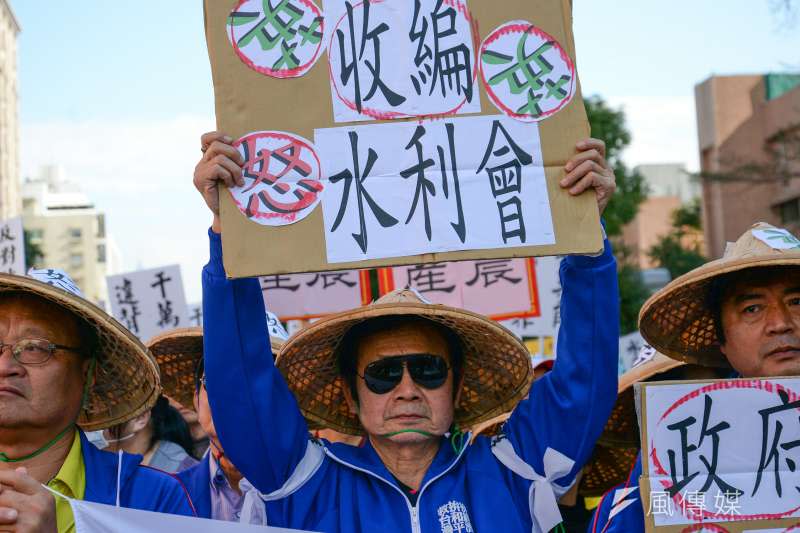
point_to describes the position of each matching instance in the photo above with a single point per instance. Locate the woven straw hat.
(177, 353)
(497, 366)
(677, 321)
(126, 381)
(618, 445)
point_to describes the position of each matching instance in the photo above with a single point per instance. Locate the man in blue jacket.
(64, 364)
(740, 312)
(408, 374)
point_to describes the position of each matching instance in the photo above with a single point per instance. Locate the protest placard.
(720, 455)
(498, 288)
(352, 120)
(549, 291)
(306, 296)
(12, 247)
(148, 302)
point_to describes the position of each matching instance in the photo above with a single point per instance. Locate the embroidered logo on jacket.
(454, 518)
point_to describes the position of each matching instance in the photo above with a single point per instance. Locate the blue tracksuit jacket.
(197, 480)
(627, 504)
(141, 487)
(492, 485)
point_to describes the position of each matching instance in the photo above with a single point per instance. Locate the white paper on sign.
(778, 239)
(149, 302)
(12, 247)
(388, 60)
(526, 72)
(730, 449)
(400, 189)
(281, 178)
(282, 43)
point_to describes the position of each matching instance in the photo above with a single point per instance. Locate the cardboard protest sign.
(12, 247)
(721, 455)
(306, 296)
(397, 133)
(149, 302)
(498, 288)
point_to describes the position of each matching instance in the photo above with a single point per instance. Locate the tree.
(677, 251)
(608, 124)
(33, 252)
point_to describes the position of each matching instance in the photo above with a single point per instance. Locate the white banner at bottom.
(100, 518)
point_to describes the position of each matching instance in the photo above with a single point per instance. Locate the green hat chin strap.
(86, 388)
(457, 438)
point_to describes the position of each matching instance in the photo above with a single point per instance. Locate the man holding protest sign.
(408, 374)
(741, 311)
(64, 363)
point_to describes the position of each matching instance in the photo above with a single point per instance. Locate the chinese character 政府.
(429, 278)
(357, 177)
(353, 44)
(505, 177)
(129, 305)
(426, 186)
(166, 316)
(331, 279)
(279, 38)
(493, 271)
(680, 474)
(773, 446)
(527, 74)
(449, 67)
(281, 173)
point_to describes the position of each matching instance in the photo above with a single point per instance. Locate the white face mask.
(97, 438)
(114, 441)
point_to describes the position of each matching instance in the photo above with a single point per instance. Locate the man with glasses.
(408, 375)
(64, 365)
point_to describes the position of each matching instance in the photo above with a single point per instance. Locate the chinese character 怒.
(357, 48)
(129, 305)
(660, 504)
(331, 279)
(280, 27)
(426, 186)
(528, 74)
(505, 178)
(429, 278)
(493, 271)
(299, 188)
(278, 282)
(357, 177)
(450, 67)
(771, 425)
(682, 478)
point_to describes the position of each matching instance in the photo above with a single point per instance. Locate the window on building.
(101, 253)
(76, 260)
(75, 233)
(790, 211)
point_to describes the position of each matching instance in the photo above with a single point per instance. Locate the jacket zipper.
(413, 510)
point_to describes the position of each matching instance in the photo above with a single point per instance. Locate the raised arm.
(567, 408)
(256, 417)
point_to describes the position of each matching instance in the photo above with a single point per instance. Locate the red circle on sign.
(525, 27)
(279, 73)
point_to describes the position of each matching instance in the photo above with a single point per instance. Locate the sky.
(118, 94)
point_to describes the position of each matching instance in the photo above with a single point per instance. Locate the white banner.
(549, 290)
(12, 247)
(149, 302)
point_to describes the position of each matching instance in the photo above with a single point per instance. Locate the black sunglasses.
(429, 371)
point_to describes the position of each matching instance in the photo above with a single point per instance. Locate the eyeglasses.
(429, 371)
(34, 351)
